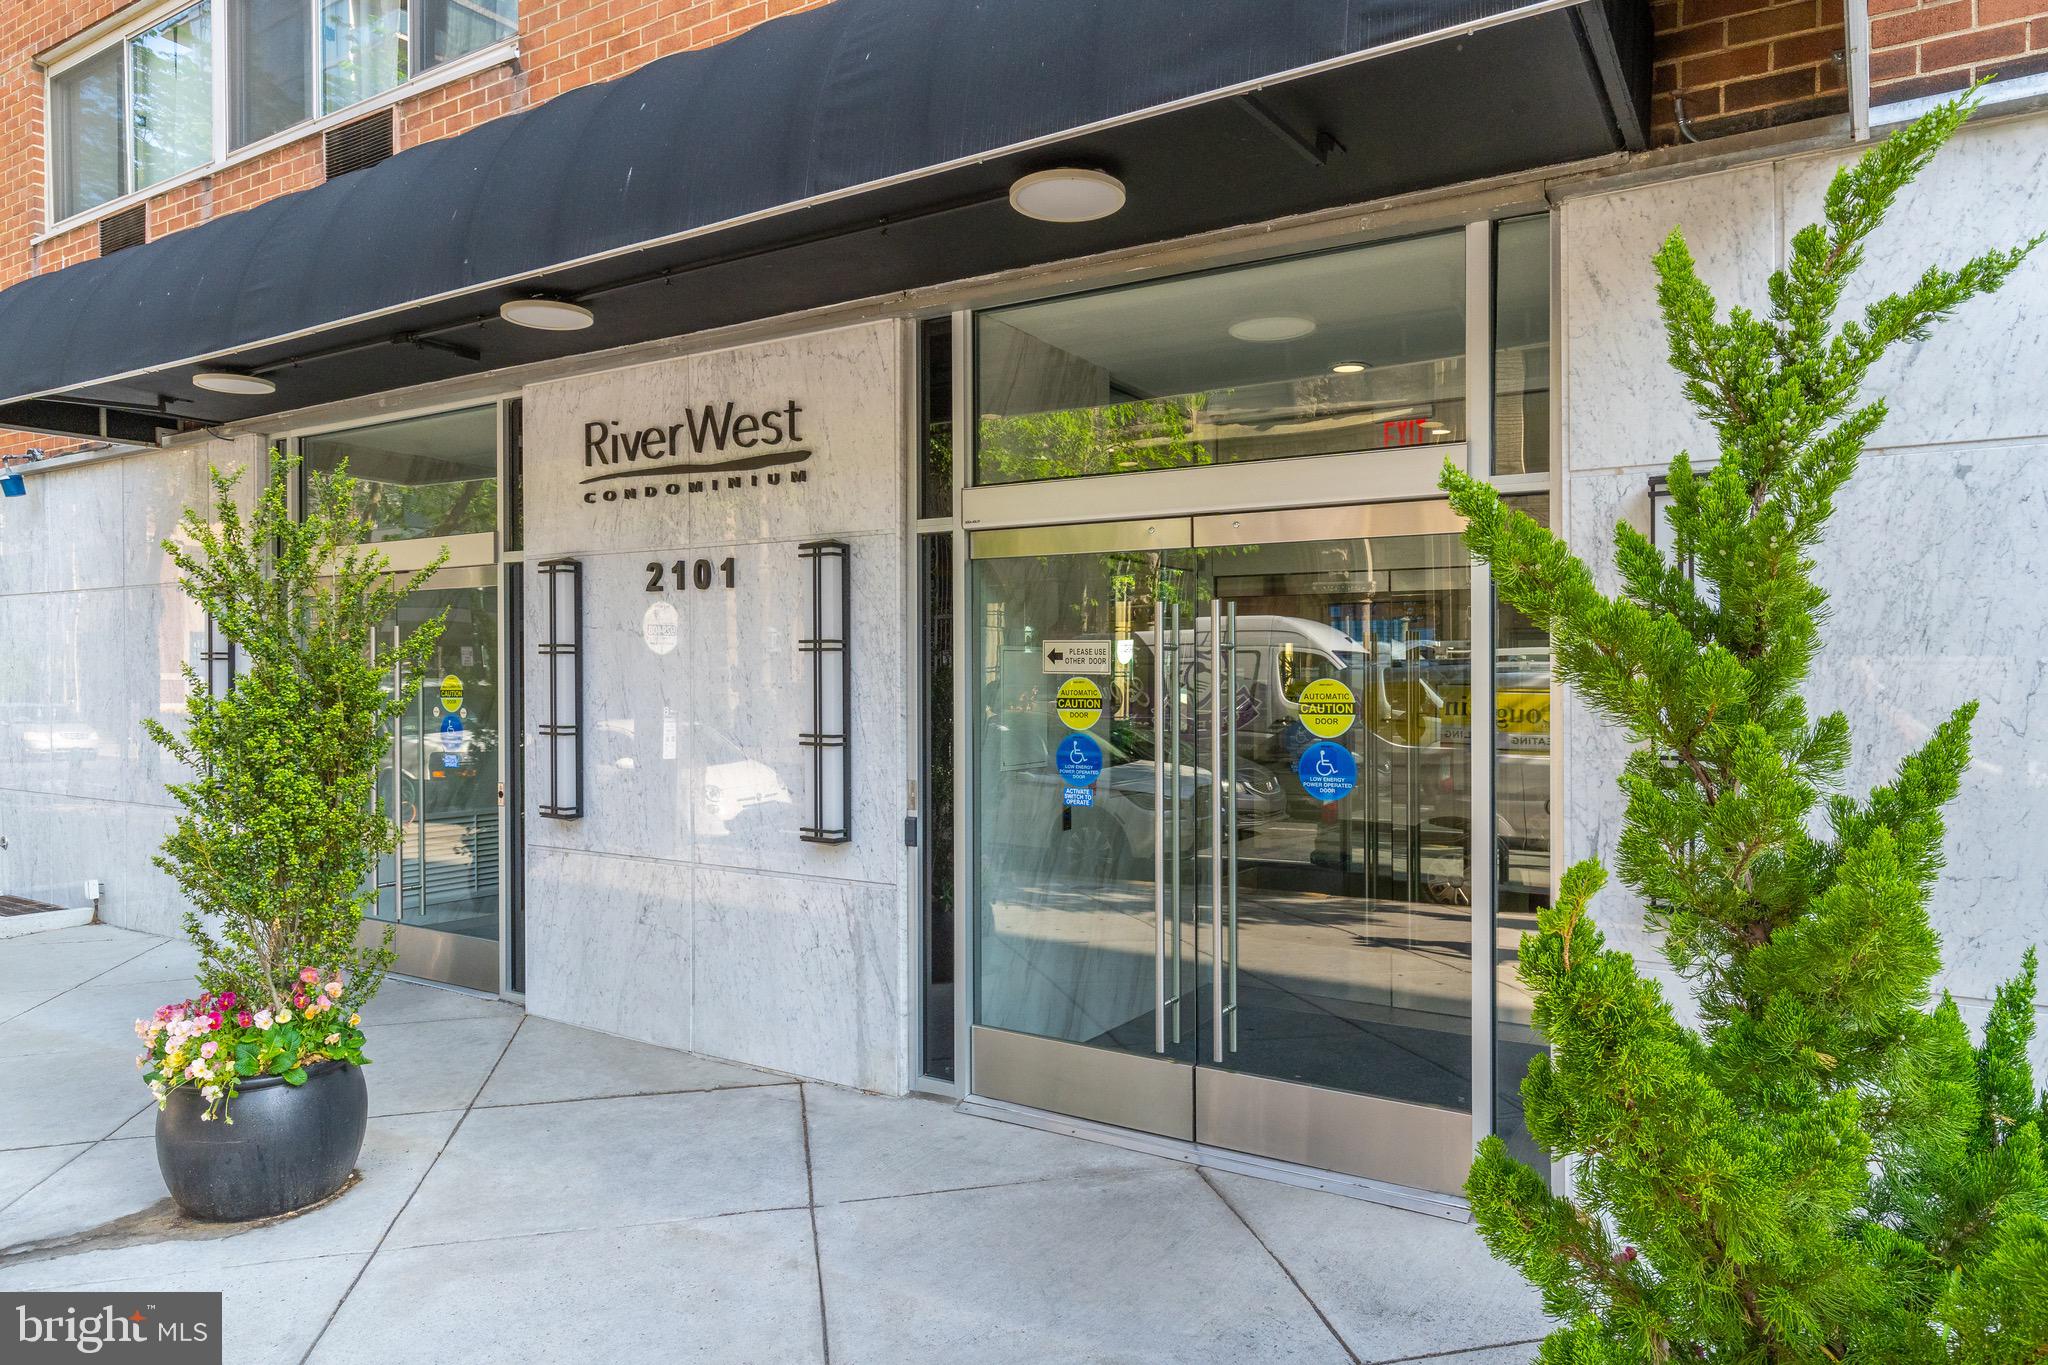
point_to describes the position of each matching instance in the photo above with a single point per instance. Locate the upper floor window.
(140, 108)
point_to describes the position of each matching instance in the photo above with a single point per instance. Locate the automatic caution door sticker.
(1327, 708)
(1079, 703)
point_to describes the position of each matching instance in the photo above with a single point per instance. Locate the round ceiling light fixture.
(1067, 194)
(546, 315)
(1349, 367)
(1279, 327)
(237, 382)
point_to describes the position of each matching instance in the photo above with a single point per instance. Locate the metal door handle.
(1230, 803)
(1216, 825)
(397, 785)
(1173, 724)
(1159, 825)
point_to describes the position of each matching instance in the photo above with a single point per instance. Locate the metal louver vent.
(359, 145)
(119, 231)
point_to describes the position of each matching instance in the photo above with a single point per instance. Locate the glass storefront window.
(1350, 350)
(1521, 346)
(171, 75)
(1522, 825)
(421, 478)
(86, 120)
(935, 418)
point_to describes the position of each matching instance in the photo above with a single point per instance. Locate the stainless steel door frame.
(1127, 1089)
(1415, 1145)
(1153, 1092)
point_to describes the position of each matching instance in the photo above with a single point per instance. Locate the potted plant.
(261, 1101)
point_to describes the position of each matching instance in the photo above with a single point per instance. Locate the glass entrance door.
(427, 488)
(1224, 822)
(439, 782)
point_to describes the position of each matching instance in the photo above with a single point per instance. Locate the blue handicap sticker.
(1079, 759)
(452, 740)
(1078, 796)
(1327, 771)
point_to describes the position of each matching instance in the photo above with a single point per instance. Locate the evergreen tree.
(281, 822)
(1824, 1169)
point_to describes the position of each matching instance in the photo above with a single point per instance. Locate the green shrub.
(1825, 1169)
(280, 823)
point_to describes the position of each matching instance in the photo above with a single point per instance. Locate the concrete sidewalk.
(535, 1192)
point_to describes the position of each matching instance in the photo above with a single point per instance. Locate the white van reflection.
(1025, 813)
(1413, 739)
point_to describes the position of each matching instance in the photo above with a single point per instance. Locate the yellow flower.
(284, 1016)
(355, 1020)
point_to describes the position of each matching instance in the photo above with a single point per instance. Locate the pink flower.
(309, 975)
(245, 1018)
(299, 999)
(333, 989)
(163, 1013)
(208, 1048)
(227, 1000)
(214, 1019)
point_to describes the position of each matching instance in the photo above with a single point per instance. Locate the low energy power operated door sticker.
(1327, 771)
(1079, 760)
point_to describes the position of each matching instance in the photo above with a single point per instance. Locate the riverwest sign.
(715, 448)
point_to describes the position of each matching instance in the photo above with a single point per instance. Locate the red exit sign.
(1406, 432)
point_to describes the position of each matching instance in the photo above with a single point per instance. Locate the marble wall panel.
(609, 944)
(801, 974)
(686, 872)
(1621, 405)
(845, 384)
(750, 777)
(1978, 376)
(636, 794)
(83, 544)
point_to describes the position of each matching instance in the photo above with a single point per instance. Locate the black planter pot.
(289, 1146)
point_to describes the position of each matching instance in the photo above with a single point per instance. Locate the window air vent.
(129, 227)
(359, 145)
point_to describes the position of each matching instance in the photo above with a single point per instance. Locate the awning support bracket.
(1315, 146)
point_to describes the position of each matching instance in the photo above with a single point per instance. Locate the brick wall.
(1731, 66)
(1736, 65)
(1930, 47)
(562, 44)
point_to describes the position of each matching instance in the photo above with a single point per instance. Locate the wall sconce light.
(1662, 538)
(831, 664)
(219, 660)
(561, 734)
(1660, 512)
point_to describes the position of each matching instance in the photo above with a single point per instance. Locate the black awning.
(848, 151)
